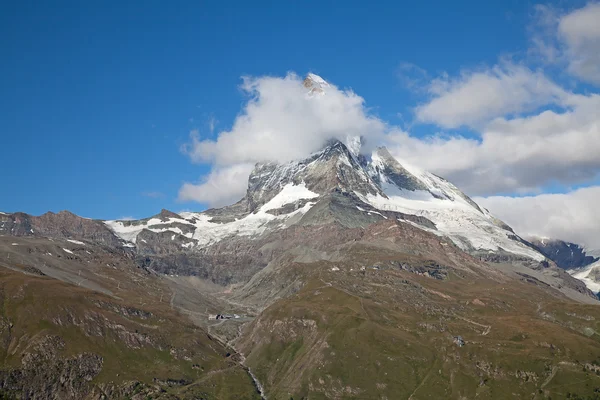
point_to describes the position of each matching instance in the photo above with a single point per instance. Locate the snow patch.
(453, 214)
(585, 275)
(129, 233)
(289, 194)
(75, 241)
(68, 251)
(251, 225)
(318, 80)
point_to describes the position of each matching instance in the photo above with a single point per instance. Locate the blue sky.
(98, 98)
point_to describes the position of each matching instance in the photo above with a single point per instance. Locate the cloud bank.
(573, 216)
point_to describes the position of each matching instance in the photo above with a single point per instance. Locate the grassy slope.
(389, 334)
(162, 346)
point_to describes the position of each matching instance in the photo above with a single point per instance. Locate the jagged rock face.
(44, 374)
(566, 255)
(332, 168)
(315, 85)
(164, 215)
(388, 168)
(61, 225)
(167, 242)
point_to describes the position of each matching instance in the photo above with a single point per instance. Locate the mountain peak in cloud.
(315, 84)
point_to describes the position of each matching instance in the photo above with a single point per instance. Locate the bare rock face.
(167, 242)
(61, 225)
(45, 375)
(165, 214)
(565, 254)
(333, 168)
(390, 167)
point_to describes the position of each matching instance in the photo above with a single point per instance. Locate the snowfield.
(207, 232)
(584, 275)
(470, 227)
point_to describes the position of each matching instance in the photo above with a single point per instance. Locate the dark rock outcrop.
(565, 254)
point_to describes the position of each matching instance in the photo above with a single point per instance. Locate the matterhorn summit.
(315, 84)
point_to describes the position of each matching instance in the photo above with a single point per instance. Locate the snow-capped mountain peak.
(315, 84)
(379, 185)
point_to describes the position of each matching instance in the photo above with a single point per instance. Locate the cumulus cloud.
(514, 155)
(476, 97)
(571, 216)
(580, 32)
(510, 155)
(281, 122)
(570, 40)
(221, 187)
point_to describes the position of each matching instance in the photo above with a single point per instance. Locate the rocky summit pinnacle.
(315, 84)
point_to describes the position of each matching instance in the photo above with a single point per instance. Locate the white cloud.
(221, 187)
(542, 32)
(514, 155)
(280, 122)
(476, 97)
(580, 32)
(572, 216)
(518, 155)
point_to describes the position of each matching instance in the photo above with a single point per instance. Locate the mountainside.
(80, 320)
(377, 186)
(343, 275)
